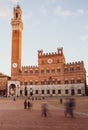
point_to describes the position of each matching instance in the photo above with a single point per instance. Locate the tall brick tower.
(17, 27)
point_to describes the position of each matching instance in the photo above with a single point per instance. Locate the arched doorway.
(25, 91)
(72, 92)
(12, 90)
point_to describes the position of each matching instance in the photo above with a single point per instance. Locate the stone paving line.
(14, 117)
(32, 120)
(75, 112)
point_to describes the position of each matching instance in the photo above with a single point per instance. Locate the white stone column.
(56, 90)
(28, 91)
(23, 90)
(76, 91)
(16, 90)
(8, 90)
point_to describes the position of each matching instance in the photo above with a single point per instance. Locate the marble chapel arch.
(51, 77)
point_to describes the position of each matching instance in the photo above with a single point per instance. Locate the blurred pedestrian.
(44, 109)
(69, 107)
(66, 104)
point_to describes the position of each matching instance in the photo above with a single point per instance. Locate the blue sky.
(48, 24)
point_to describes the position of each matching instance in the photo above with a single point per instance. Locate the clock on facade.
(14, 65)
(50, 61)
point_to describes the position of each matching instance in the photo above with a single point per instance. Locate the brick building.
(51, 77)
(3, 84)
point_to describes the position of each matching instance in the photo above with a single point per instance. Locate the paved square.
(14, 117)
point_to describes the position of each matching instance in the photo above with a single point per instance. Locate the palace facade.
(51, 77)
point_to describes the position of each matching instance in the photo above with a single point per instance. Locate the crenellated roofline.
(29, 67)
(76, 63)
(59, 52)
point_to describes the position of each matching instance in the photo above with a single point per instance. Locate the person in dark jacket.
(25, 104)
(29, 104)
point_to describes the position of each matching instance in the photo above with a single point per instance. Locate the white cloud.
(43, 10)
(5, 12)
(84, 38)
(60, 12)
(86, 27)
(14, 1)
(28, 16)
(36, 23)
(66, 13)
(54, 1)
(79, 12)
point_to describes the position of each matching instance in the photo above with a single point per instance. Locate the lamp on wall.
(50, 80)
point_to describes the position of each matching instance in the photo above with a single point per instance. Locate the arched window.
(79, 91)
(16, 15)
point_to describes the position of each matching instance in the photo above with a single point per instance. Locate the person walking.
(29, 104)
(44, 109)
(66, 104)
(25, 104)
(69, 107)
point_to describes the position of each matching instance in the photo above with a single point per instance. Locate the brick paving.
(14, 117)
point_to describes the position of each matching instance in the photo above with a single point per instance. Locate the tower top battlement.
(59, 52)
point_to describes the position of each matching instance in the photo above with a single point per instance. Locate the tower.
(17, 27)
